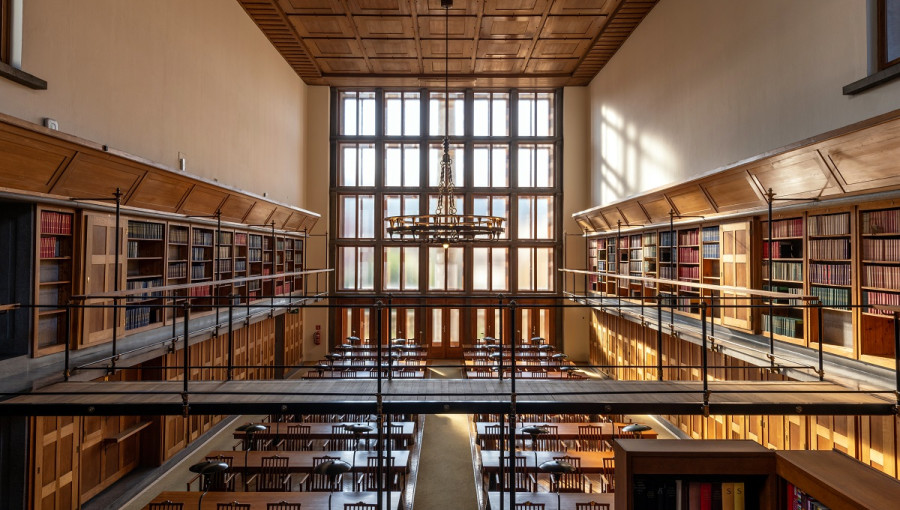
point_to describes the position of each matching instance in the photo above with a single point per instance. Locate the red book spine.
(705, 496)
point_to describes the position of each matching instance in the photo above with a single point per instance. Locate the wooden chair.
(590, 439)
(624, 434)
(341, 438)
(593, 505)
(493, 437)
(297, 438)
(368, 481)
(218, 482)
(609, 475)
(398, 442)
(283, 505)
(549, 442)
(528, 505)
(322, 483)
(166, 505)
(574, 481)
(274, 475)
(234, 505)
(524, 481)
(360, 506)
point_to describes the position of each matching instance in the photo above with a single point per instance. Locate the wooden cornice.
(853, 160)
(34, 159)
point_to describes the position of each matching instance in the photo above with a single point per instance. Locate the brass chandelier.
(445, 226)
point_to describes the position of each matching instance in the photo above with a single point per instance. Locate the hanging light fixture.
(445, 226)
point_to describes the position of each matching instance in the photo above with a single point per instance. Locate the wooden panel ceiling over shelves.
(493, 43)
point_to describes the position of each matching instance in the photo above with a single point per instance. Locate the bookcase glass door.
(735, 272)
(100, 274)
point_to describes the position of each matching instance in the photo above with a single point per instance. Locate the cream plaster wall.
(705, 83)
(318, 129)
(157, 78)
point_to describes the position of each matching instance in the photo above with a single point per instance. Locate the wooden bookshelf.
(254, 264)
(178, 263)
(710, 270)
(635, 264)
(224, 263)
(786, 246)
(240, 265)
(623, 265)
(879, 279)
(648, 261)
(667, 263)
(688, 256)
(145, 268)
(829, 254)
(648, 471)
(832, 480)
(53, 278)
(299, 265)
(201, 267)
(610, 284)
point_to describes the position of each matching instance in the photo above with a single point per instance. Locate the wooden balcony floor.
(446, 396)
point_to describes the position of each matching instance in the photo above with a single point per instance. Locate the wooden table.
(258, 500)
(567, 499)
(591, 462)
(521, 373)
(363, 374)
(302, 462)
(567, 431)
(323, 431)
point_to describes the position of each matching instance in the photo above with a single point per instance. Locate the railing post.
(379, 307)
(187, 320)
(68, 338)
(502, 460)
(821, 341)
(659, 339)
(229, 372)
(703, 358)
(118, 237)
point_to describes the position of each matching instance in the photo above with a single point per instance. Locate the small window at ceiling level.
(888, 33)
(357, 113)
(491, 112)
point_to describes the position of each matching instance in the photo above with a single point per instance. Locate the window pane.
(457, 160)
(544, 269)
(500, 117)
(499, 265)
(454, 327)
(410, 268)
(357, 165)
(392, 268)
(348, 216)
(411, 117)
(366, 216)
(366, 268)
(410, 324)
(455, 268)
(536, 114)
(526, 114)
(348, 113)
(437, 115)
(490, 163)
(437, 326)
(544, 218)
(411, 166)
(367, 165)
(525, 218)
(348, 267)
(480, 323)
(526, 166)
(436, 268)
(433, 201)
(358, 113)
(481, 112)
(348, 165)
(499, 166)
(481, 167)
(393, 165)
(367, 115)
(525, 269)
(536, 166)
(480, 268)
(393, 113)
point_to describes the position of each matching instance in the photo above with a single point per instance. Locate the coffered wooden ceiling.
(493, 43)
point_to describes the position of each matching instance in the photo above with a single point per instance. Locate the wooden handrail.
(721, 288)
(132, 292)
(6, 308)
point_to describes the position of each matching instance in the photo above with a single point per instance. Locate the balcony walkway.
(447, 396)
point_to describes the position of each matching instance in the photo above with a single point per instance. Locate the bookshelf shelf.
(53, 284)
(879, 276)
(786, 247)
(145, 262)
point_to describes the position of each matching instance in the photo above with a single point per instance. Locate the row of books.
(883, 277)
(649, 266)
(56, 223)
(199, 253)
(667, 256)
(636, 253)
(649, 238)
(829, 249)
(689, 272)
(198, 271)
(784, 289)
(202, 291)
(788, 271)
(667, 272)
(829, 225)
(830, 274)
(225, 238)
(689, 255)
(178, 235)
(635, 241)
(872, 299)
(881, 249)
(139, 316)
(52, 247)
(783, 249)
(710, 251)
(224, 265)
(832, 297)
(623, 243)
(202, 238)
(255, 255)
(710, 234)
(145, 284)
(255, 241)
(792, 227)
(224, 252)
(649, 251)
(240, 265)
(881, 222)
(784, 326)
(665, 238)
(240, 239)
(177, 270)
(799, 500)
(635, 266)
(688, 237)
(144, 230)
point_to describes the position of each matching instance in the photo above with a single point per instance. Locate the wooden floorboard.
(462, 395)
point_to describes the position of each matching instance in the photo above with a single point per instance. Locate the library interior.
(449, 254)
